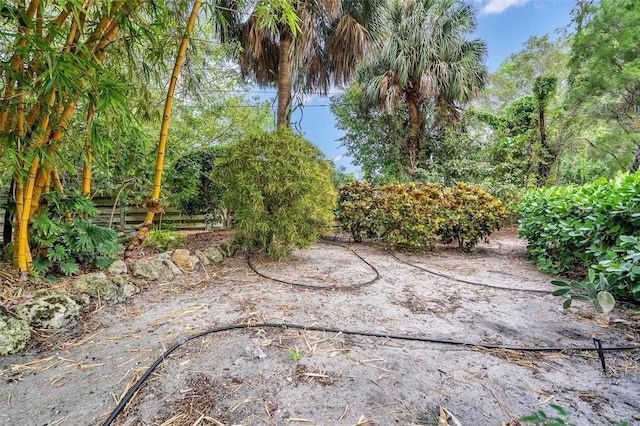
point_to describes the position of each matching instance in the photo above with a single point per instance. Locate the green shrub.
(410, 215)
(193, 190)
(470, 215)
(595, 227)
(164, 240)
(279, 190)
(357, 210)
(63, 240)
(413, 216)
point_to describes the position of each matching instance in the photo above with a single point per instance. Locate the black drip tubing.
(460, 280)
(125, 399)
(321, 287)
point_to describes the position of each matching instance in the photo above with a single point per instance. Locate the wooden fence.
(123, 218)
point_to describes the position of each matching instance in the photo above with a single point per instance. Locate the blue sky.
(505, 25)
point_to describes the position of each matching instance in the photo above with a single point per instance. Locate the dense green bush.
(469, 215)
(357, 210)
(64, 240)
(193, 191)
(278, 190)
(594, 226)
(413, 216)
(410, 215)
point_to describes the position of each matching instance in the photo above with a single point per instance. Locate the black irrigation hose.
(322, 287)
(127, 397)
(449, 277)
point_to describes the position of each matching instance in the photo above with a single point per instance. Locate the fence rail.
(123, 218)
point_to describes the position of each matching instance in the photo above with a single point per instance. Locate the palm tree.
(422, 56)
(330, 38)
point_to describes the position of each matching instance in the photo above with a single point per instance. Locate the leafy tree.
(605, 75)
(374, 139)
(516, 76)
(309, 54)
(279, 190)
(544, 89)
(422, 56)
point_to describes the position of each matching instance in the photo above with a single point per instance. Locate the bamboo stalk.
(16, 61)
(164, 128)
(88, 156)
(22, 255)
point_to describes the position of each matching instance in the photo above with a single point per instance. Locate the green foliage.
(410, 215)
(278, 190)
(561, 417)
(165, 240)
(605, 76)
(470, 214)
(517, 73)
(413, 216)
(190, 183)
(595, 226)
(295, 355)
(63, 245)
(541, 418)
(357, 210)
(371, 137)
(544, 89)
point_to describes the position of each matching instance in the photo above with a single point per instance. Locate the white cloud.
(499, 6)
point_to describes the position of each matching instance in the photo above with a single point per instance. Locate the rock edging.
(55, 309)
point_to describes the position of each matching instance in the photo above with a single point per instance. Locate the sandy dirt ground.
(283, 375)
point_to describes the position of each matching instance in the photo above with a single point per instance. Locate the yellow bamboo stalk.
(38, 187)
(88, 156)
(164, 128)
(22, 255)
(16, 61)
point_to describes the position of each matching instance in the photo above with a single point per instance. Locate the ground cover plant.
(65, 239)
(593, 229)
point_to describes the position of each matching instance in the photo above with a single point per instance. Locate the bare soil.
(274, 375)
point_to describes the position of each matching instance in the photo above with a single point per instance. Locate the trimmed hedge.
(415, 216)
(594, 226)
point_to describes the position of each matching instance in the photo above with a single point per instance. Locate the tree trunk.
(635, 166)
(547, 155)
(153, 204)
(413, 142)
(284, 79)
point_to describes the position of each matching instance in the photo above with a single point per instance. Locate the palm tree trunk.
(413, 142)
(164, 128)
(284, 79)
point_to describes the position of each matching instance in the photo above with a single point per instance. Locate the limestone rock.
(152, 269)
(214, 254)
(118, 268)
(50, 309)
(14, 333)
(183, 260)
(104, 289)
(202, 258)
(228, 248)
